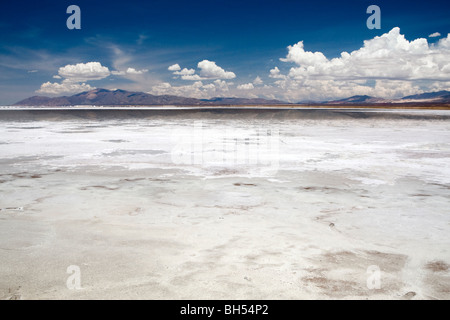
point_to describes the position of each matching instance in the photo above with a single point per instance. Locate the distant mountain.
(428, 95)
(357, 100)
(309, 102)
(108, 97)
(428, 98)
(104, 97)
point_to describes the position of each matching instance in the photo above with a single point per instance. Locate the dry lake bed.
(224, 204)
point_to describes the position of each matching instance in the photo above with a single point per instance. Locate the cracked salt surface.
(189, 204)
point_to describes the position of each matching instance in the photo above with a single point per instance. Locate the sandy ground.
(225, 206)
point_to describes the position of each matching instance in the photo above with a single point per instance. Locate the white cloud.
(174, 67)
(445, 42)
(134, 71)
(434, 35)
(193, 90)
(118, 73)
(297, 54)
(66, 87)
(185, 72)
(209, 70)
(193, 77)
(209, 86)
(74, 75)
(385, 66)
(275, 73)
(257, 81)
(32, 71)
(222, 85)
(217, 88)
(128, 71)
(84, 71)
(389, 56)
(246, 86)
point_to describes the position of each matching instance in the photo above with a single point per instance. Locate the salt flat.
(224, 204)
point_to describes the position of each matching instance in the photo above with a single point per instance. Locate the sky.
(285, 49)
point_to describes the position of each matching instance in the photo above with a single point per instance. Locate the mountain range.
(440, 97)
(105, 97)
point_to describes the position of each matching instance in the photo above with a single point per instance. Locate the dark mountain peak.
(243, 101)
(99, 90)
(428, 95)
(359, 99)
(93, 91)
(214, 99)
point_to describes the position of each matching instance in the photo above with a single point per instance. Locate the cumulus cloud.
(434, 35)
(66, 87)
(194, 90)
(84, 71)
(297, 54)
(185, 72)
(75, 77)
(222, 85)
(118, 73)
(257, 81)
(275, 73)
(193, 77)
(198, 89)
(134, 71)
(128, 71)
(209, 70)
(387, 66)
(246, 86)
(389, 56)
(174, 67)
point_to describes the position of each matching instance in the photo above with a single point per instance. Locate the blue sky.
(226, 48)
